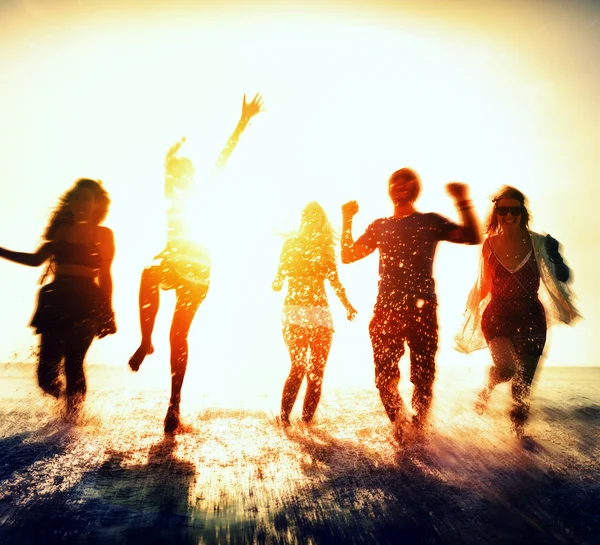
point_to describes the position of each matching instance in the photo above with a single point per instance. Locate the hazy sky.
(483, 92)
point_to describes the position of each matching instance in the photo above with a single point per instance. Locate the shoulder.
(537, 237)
(432, 219)
(106, 239)
(486, 247)
(105, 234)
(379, 222)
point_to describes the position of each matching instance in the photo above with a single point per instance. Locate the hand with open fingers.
(252, 108)
(351, 313)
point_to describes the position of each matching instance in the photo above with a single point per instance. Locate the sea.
(236, 476)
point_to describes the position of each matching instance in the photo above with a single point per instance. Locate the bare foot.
(137, 359)
(173, 422)
(283, 421)
(482, 400)
(398, 428)
(73, 409)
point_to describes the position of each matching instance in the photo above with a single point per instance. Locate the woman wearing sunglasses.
(521, 291)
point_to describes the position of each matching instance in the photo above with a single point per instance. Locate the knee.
(386, 384)
(505, 372)
(315, 377)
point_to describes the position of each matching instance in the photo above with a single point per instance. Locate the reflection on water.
(236, 477)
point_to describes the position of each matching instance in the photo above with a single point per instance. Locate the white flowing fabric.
(556, 297)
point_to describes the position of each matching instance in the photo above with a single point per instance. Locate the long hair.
(63, 215)
(316, 233)
(507, 192)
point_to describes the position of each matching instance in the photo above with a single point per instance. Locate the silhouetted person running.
(184, 266)
(76, 306)
(406, 306)
(504, 306)
(307, 260)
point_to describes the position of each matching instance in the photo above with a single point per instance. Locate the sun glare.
(346, 104)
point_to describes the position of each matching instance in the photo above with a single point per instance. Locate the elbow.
(346, 256)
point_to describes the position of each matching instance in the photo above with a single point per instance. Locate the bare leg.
(319, 352)
(296, 339)
(149, 300)
(77, 344)
(188, 301)
(48, 371)
(504, 366)
(520, 389)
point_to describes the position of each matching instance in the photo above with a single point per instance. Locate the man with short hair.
(406, 306)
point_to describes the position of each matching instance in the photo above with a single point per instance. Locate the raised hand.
(458, 191)
(252, 108)
(175, 147)
(349, 209)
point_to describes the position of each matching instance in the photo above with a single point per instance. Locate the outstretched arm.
(351, 251)
(41, 255)
(339, 290)
(468, 232)
(249, 110)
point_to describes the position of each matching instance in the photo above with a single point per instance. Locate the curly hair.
(63, 215)
(507, 192)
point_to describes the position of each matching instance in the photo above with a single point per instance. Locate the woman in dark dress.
(76, 306)
(515, 262)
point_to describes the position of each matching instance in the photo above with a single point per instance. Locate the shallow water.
(235, 477)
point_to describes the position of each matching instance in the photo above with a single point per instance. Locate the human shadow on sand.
(409, 499)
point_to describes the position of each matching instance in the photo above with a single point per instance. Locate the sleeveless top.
(522, 282)
(72, 253)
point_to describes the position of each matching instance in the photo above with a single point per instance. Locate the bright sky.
(498, 93)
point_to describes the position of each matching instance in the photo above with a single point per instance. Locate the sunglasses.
(514, 210)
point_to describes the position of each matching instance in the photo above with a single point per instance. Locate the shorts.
(307, 316)
(185, 265)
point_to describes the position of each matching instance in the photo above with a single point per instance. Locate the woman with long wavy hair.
(76, 306)
(307, 260)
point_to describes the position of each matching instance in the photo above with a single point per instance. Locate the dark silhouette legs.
(187, 303)
(69, 346)
(149, 301)
(507, 366)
